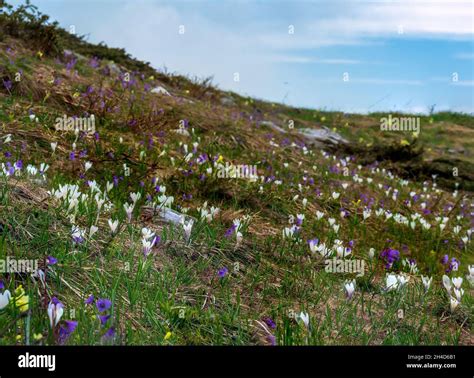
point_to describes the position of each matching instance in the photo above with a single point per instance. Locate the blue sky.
(398, 55)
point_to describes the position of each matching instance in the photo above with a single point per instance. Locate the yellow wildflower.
(168, 335)
(19, 299)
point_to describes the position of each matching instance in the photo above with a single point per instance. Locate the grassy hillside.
(248, 263)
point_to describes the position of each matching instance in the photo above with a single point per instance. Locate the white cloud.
(309, 60)
(464, 56)
(465, 83)
(373, 81)
(386, 82)
(369, 22)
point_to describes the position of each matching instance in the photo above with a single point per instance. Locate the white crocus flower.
(147, 233)
(313, 246)
(55, 312)
(371, 253)
(458, 293)
(99, 201)
(148, 245)
(87, 165)
(402, 280)
(93, 230)
(471, 270)
(113, 225)
(4, 299)
(350, 288)
(447, 283)
(426, 282)
(187, 227)
(457, 281)
(391, 282)
(135, 197)
(238, 238)
(128, 210)
(453, 303)
(305, 318)
(366, 213)
(43, 168)
(288, 232)
(304, 202)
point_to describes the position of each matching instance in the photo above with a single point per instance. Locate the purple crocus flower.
(103, 304)
(89, 300)
(230, 231)
(19, 164)
(390, 256)
(94, 62)
(202, 158)
(271, 340)
(8, 84)
(70, 65)
(103, 319)
(445, 259)
(77, 239)
(222, 272)
(66, 330)
(269, 322)
(10, 169)
(51, 260)
(454, 264)
(110, 333)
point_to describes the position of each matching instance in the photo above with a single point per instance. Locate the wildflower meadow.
(142, 207)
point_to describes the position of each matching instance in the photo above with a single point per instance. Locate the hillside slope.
(144, 233)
